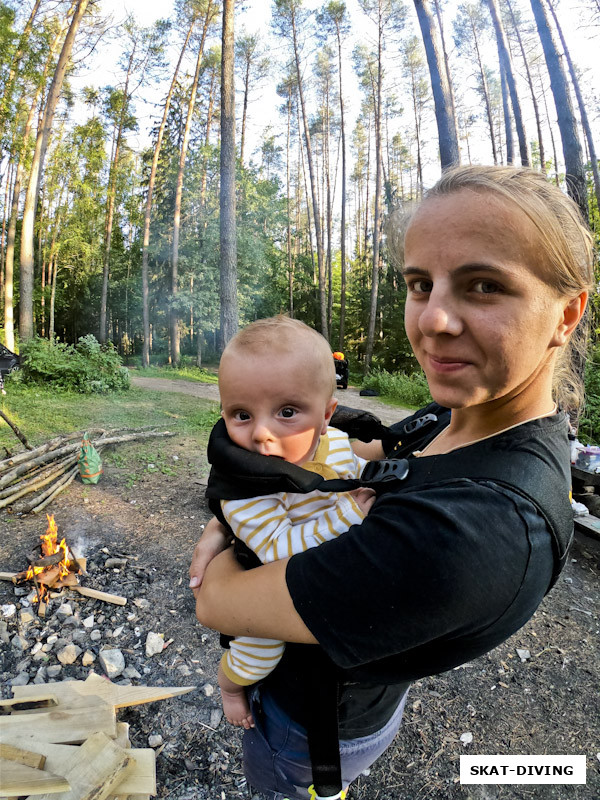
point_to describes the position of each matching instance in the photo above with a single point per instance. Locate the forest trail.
(209, 391)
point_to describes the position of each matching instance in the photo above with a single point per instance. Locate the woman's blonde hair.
(565, 246)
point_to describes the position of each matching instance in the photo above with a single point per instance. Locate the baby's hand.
(364, 498)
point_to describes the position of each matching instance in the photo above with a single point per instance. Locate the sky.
(255, 17)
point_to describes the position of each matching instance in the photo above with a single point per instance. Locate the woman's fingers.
(213, 541)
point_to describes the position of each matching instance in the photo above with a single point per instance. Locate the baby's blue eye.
(288, 412)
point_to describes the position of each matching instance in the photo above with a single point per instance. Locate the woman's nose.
(440, 315)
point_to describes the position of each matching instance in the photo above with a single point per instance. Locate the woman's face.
(483, 324)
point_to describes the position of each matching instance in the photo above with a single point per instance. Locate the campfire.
(56, 567)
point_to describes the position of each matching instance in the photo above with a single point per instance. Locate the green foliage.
(185, 372)
(589, 426)
(87, 367)
(410, 390)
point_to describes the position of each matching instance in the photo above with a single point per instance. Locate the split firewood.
(61, 727)
(115, 599)
(8, 576)
(35, 702)
(96, 768)
(140, 777)
(95, 685)
(19, 779)
(30, 759)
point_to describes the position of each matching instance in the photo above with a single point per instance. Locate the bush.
(589, 426)
(412, 390)
(88, 367)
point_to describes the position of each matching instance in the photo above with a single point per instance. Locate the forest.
(161, 231)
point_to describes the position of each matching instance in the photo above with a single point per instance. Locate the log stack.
(62, 741)
(32, 479)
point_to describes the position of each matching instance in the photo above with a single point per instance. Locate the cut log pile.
(62, 741)
(32, 479)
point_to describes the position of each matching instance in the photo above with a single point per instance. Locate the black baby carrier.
(237, 474)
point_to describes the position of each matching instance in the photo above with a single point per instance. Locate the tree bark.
(575, 172)
(27, 231)
(343, 219)
(228, 276)
(446, 122)
(148, 204)
(582, 109)
(173, 313)
(510, 148)
(505, 60)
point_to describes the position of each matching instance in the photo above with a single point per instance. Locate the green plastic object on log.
(90, 463)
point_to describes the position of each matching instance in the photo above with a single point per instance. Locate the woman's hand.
(213, 541)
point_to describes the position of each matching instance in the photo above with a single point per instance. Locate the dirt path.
(209, 391)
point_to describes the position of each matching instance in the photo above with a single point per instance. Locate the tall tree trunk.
(510, 148)
(173, 313)
(111, 200)
(148, 205)
(376, 223)
(440, 21)
(27, 231)
(506, 62)
(536, 109)
(16, 63)
(245, 110)
(485, 90)
(444, 114)
(313, 184)
(582, 109)
(575, 172)
(343, 219)
(228, 278)
(290, 263)
(552, 139)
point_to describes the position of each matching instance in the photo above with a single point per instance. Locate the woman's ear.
(329, 409)
(573, 311)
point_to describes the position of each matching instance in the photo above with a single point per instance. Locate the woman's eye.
(288, 412)
(486, 287)
(419, 286)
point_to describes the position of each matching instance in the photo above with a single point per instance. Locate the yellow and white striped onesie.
(276, 526)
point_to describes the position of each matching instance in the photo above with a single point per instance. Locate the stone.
(131, 672)
(71, 622)
(208, 689)
(88, 622)
(27, 617)
(52, 639)
(8, 610)
(47, 647)
(141, 602)
(21, 680)
(523, 654)
(80, 637)
(40, 675)
(69, 654)
(54, 670)
(88, 658)
(111, 563)
(19, 643)
(117, 631)
(155, 643)
(95, 635)
(112, 662)
(65, 610)
(23, 665)
(37, 647)
(184, 670)
(4, 635)
(216, 715)
(155, 740)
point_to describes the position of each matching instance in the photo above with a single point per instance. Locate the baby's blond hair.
(280, 335)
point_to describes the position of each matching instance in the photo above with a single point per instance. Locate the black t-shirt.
(433, 577)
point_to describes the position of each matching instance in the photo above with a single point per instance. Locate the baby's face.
(272, 406)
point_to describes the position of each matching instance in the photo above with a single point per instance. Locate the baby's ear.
(329, 409)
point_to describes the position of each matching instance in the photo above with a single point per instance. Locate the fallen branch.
(38, 481)
(15, 429)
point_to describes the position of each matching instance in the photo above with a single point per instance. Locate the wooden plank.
(96, 768)
(36, 701)
(8, 576)
(122, 737)
(117, 696)
(96, 595)
(59, 725)
(588, 524)
(20, 779)
(12, 753)
(140, 777)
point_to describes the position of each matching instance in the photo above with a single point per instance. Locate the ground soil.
(547, 703)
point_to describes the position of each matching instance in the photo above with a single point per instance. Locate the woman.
(498, 266)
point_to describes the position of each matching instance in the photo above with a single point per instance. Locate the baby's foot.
(236, 709)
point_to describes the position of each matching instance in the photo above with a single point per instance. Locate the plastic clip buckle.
(416, 424)
(312, 793)
(392, 469)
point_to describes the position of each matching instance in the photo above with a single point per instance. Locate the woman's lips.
(445, 364)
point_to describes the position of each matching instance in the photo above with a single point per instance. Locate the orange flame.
(50, 547)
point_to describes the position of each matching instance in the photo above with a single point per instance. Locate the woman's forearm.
(253, 602)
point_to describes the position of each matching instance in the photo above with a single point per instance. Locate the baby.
(276, 380)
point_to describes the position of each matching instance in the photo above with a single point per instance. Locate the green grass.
(397, 388)
(182, 373)
(42, 413)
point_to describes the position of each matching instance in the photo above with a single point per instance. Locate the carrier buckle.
(416, 424)
(391, 469)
